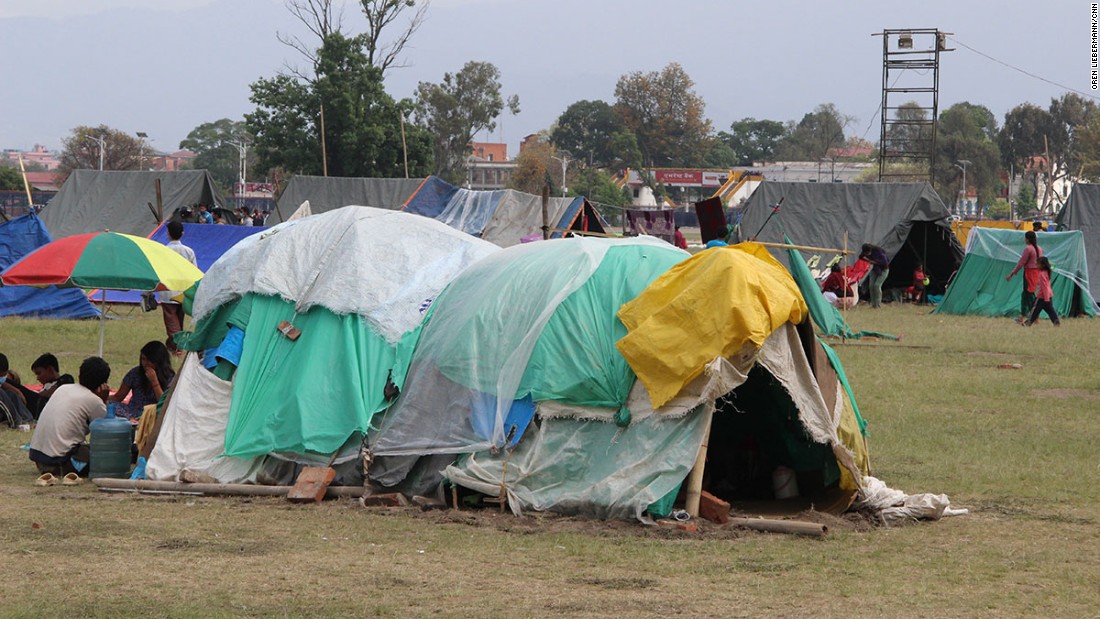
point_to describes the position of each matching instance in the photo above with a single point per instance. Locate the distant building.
(39, 155)
(174, 162)
(488, 166)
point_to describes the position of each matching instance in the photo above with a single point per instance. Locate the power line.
(1027, 73)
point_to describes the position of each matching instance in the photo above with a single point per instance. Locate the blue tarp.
(209, 242)
(19, 237)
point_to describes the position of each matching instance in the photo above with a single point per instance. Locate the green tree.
(719, 155)
(626, 153)
(215, 147)
(10, 177)
(585, 130)
(1025, 200)
(663, 111)
(362, 124)
(753, 140)
(811, 138)
(1088, 145)
(81, 150)
(965, 134)
(910, 132)
(456, 109)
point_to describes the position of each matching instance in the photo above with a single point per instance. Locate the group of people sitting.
(62, 409)
(841, 287)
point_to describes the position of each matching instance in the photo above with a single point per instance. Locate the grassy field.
(1018, 447)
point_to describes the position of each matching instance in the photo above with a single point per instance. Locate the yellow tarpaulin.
(717, 300)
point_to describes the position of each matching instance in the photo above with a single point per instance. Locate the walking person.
(880, 269)
(1044, 295)
(1029, 262)
(173, 310)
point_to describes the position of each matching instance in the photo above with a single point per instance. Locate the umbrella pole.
(102, 317)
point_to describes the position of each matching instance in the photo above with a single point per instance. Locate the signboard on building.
(682, 177)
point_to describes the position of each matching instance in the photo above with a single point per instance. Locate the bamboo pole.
(26, 183)
(796, 527)
(404, 147)
(160, 487)
(695, 479)
(844, 303)
(804, 247)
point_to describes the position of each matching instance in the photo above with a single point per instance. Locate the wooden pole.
(545, 212)
(695, 479)
(796, 527)
(158, 487)
(160, 202)
(26, 183)
(324, 151)
(804, 247)
(844, 303)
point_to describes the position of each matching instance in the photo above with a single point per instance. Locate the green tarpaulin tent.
(979, 286)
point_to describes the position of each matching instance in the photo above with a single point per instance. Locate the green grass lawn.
(1017, 447)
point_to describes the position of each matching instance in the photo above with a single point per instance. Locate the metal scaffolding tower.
(910, 103)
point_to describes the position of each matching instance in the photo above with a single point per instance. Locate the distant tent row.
(125, 201)
(907, 220)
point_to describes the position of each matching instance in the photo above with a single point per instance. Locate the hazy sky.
(166, 66)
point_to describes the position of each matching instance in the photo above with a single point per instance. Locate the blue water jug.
(110, 446)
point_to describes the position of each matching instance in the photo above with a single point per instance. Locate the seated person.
(838, 289)
(915, 292)
(48, 372)
(58, 438)
(13, 405)
(146, 382)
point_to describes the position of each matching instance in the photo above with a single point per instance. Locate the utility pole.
(962, 167)
(102, 142)
(564, 159)
(141, 151)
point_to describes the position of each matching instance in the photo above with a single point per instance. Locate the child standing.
(1044, 295)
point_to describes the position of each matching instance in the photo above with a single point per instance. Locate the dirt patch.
(1066, 394)
(986, 353)
(539, 523)
(616, 583)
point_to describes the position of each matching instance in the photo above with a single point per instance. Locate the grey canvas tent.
(327, 193)
(93, 200)
(1082, 212)
(907, 220)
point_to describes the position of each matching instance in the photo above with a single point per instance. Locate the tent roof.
(503, 217)
(327, 193)
(883, 214)
(384, 265)
(1082, 212)
(94, 200)
(19, 237)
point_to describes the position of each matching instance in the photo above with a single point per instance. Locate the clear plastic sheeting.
(589, 468)
(980, 288)
(470, 211)
(383, 265)
(496, 336)
(192, 435)
(577, 462)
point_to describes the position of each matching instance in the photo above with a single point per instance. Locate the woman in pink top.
(1044, 295)
(1029, 262)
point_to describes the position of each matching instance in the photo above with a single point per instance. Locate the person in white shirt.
(58, 438)
(172, 310)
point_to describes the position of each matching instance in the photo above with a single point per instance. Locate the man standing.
(204, 215)
(173, 311)
(59, 436)
(880, 270)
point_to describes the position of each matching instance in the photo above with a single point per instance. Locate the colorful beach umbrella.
(104, 260)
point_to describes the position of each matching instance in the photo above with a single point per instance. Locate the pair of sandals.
(49, 479)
